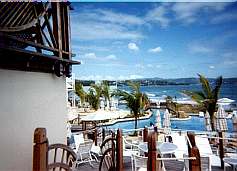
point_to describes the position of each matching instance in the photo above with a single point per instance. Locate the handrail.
(189, 143)
(168, 159)
(219, 138)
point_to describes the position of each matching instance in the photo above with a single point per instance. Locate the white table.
(232, 162)
(163, 148)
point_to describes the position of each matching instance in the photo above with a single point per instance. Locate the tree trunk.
(211, 111)
(135, 117)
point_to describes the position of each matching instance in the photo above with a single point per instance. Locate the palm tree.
(94, 95)
(106, 92)
(136, 100)
(208, 96)
(80, 92)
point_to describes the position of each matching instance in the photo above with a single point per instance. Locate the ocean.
(228, 90)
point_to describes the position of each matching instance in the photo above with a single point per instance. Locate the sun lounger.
(181, 142)
(206, 153)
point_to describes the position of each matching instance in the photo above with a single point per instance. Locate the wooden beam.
(68, 31)
(27, 52)
(59, 29)
(55, 21)
(26, 13)
(16, 15)
(50, 31)
(10, 15)
(33, 44)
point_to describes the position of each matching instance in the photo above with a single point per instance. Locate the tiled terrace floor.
(127, 167)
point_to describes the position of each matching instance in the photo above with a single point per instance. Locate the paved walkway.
(169, 165)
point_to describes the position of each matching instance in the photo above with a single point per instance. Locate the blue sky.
(166, 40)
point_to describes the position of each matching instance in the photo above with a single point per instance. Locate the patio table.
(162, 148)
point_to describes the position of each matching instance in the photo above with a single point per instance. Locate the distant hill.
(161, 81)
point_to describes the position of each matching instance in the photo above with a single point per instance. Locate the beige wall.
(29, 100)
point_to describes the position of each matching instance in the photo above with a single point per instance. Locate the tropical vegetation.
(94, 94)
(208, 96)
(136, 101)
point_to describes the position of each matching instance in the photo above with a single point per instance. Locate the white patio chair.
(207, 156)
(84, 153)
(139, 163)
(129, 148)
(205, 163)
(181, 142)
(83, 150)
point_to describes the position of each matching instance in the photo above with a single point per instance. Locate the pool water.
(195, 123)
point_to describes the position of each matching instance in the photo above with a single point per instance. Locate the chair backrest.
(181, 142)
(85, 147)
(78, 139)
(203, 145)
(60, 157)
(139, 162)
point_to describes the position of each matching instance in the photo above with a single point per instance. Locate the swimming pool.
(195, 123)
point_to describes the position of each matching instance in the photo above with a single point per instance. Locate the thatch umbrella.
(166, 122)
(221, 126)
(158, 119)
(207, 121)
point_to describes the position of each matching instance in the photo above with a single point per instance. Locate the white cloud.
(139, 66)
(188, 12)
(149, 65)
(133, 46)
(95, 57)
(198, 48)
(158, 15)
(95, 24)
(109, 77)
(130, 77)
(212, 67)
(155, 50)
(119, 18)
(90, 56)
(158, 66)
(89, 48)
(226, 17)
(111, 57)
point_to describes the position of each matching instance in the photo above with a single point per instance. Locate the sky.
(117, 41)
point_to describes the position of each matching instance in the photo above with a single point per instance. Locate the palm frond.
(197, 96)
(205, 86)
(216, 90)
(135, 86)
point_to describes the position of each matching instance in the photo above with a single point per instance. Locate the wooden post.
(113, 149)
(151, 162)
(119, 151)
(221, 148)
(103, 134)
(145, 134)
(191, 137)
(195, 165)
(40, 150)
(95, 136)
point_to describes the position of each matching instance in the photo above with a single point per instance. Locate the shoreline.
(112, 122)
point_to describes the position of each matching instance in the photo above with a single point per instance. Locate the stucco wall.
(29, 100)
